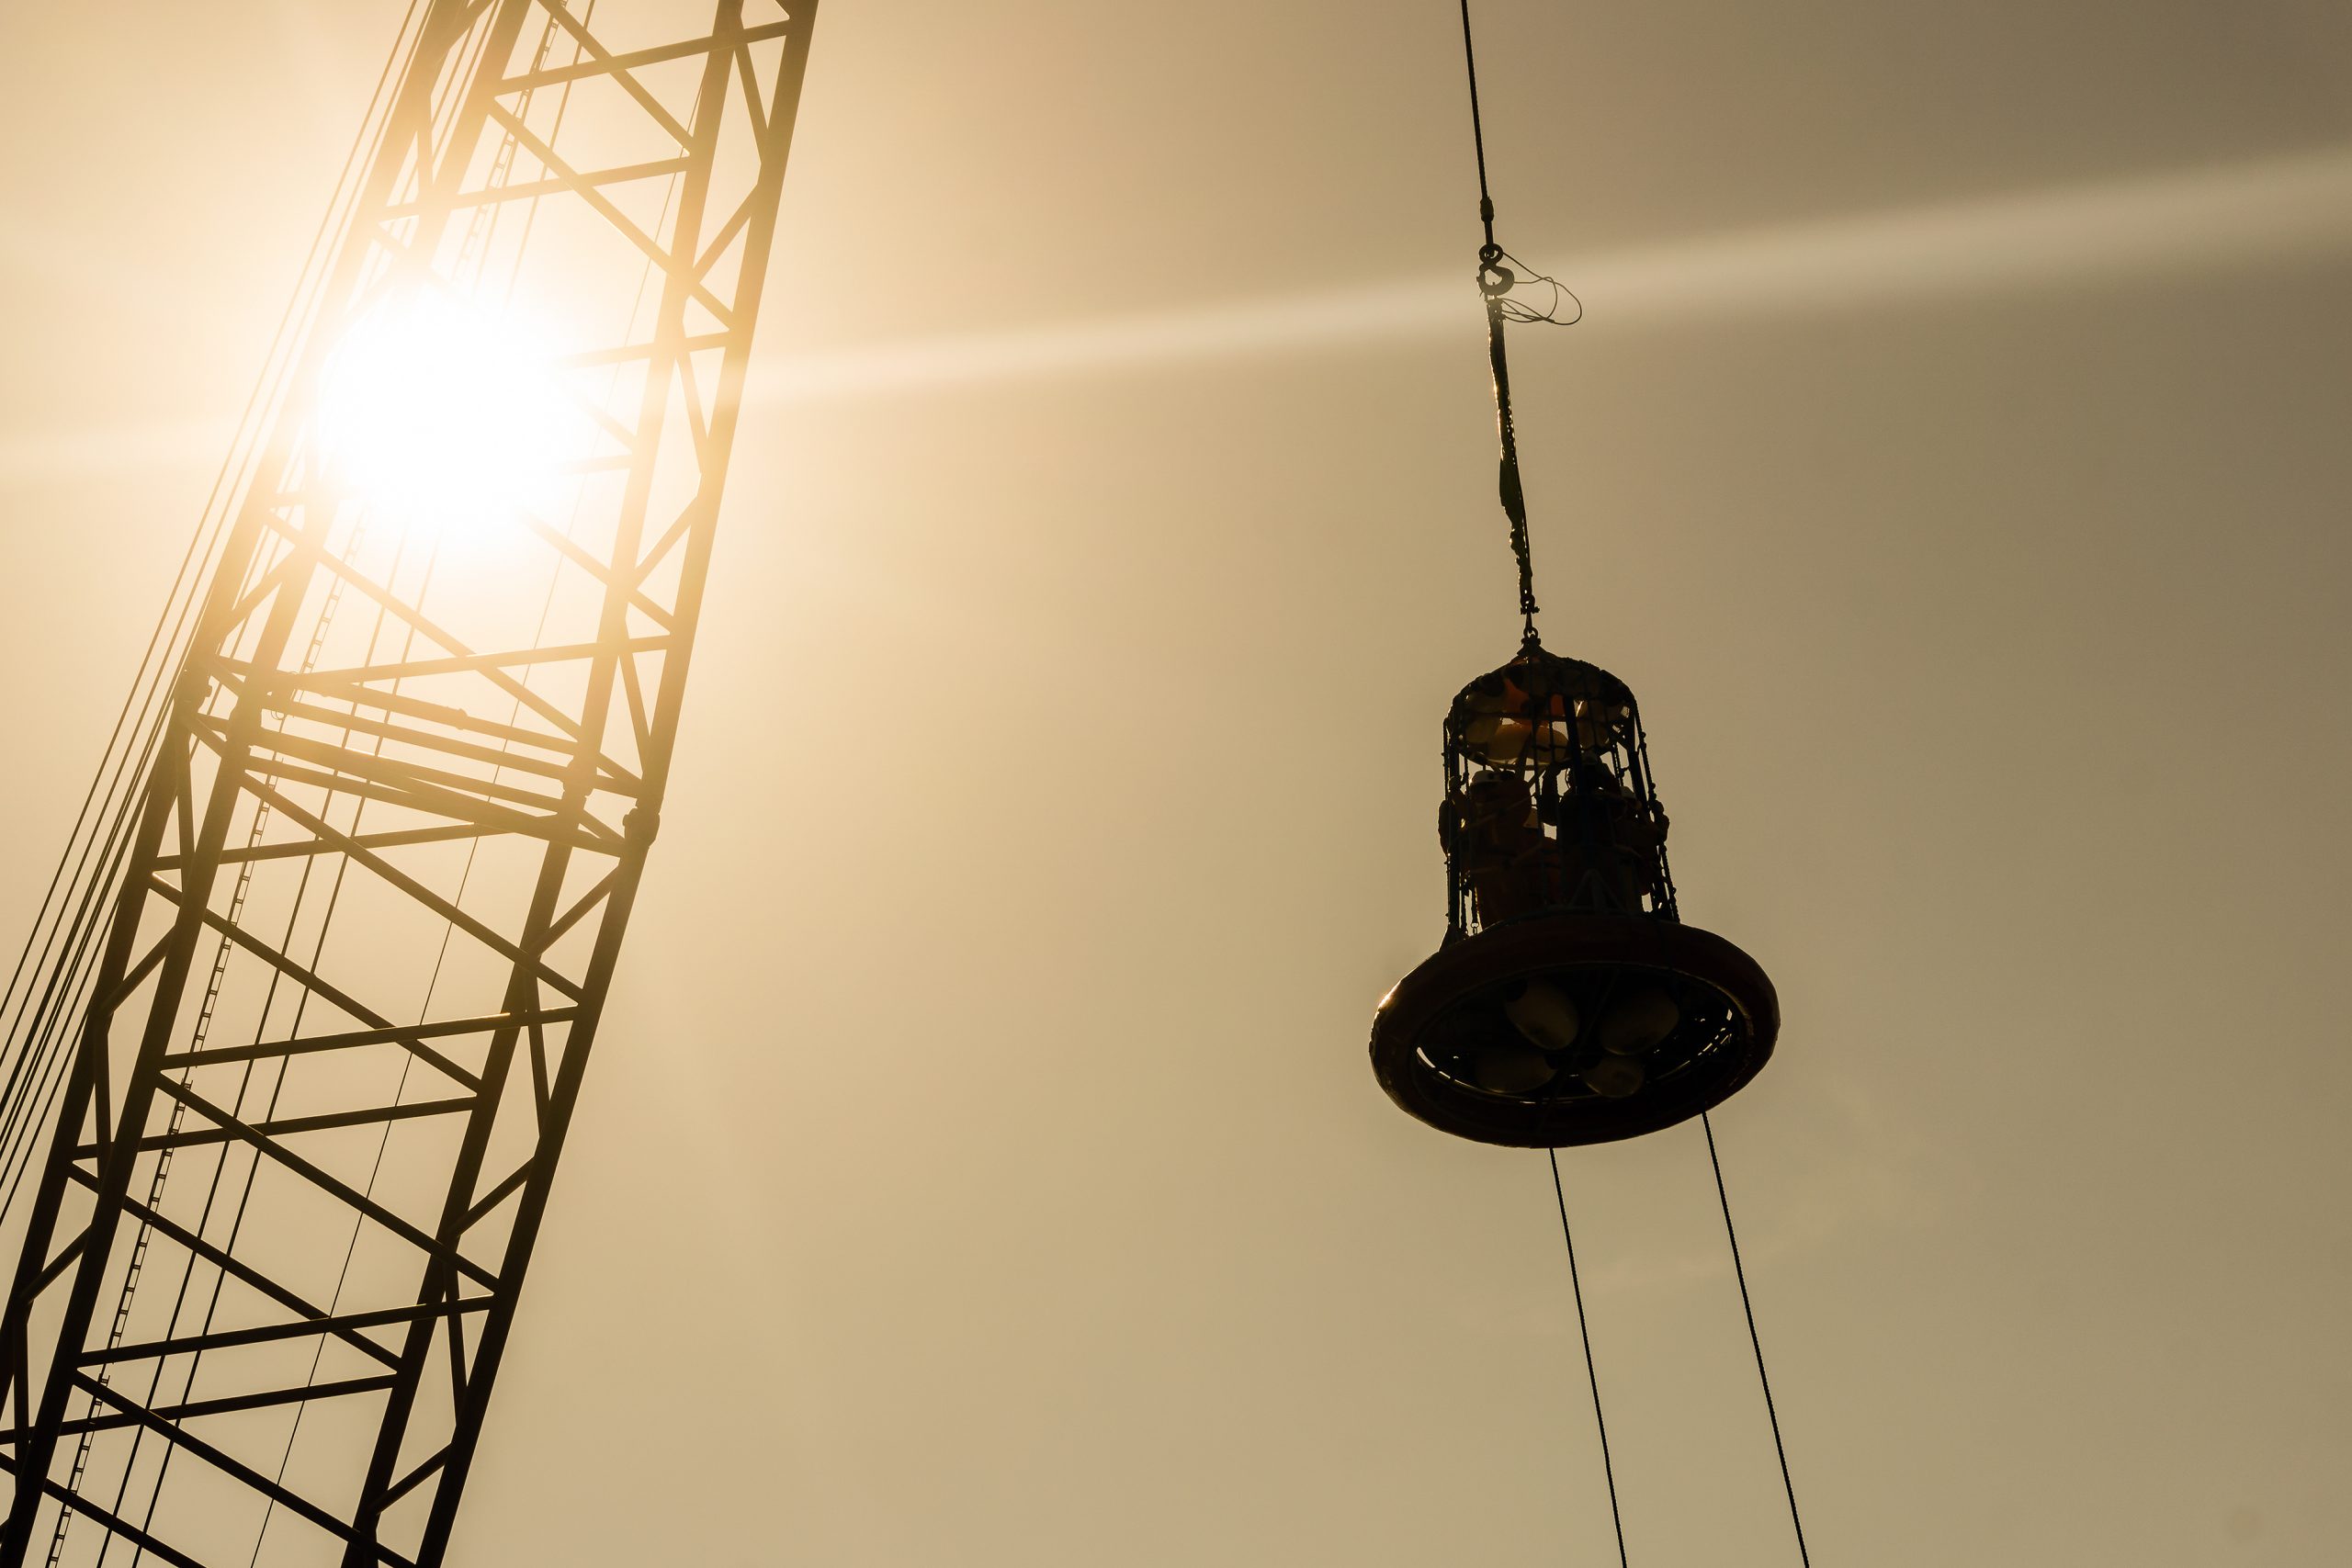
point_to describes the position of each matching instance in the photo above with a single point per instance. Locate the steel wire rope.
(1495, 283)
(333, 896)
(121, 790)
(107, 811)
(1477, 131)
(147, 678)
(32, 1111)
(320, 630)
(64, 999)
(135, 1267)
(200, 1035)
(31, 1039)
(472, 849)
(128, 1289)
(277, 1081)
(1747, 1307)
(219, 1167)
(245, 1085)
(338, 202)
(220, 1170)
(1593, 1374)
(268, 389)
(448, 925)
(69, 985)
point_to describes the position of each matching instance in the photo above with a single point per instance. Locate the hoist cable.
(477, 242)
(284, 1071)
(219, 1170)
(1494, 282)
(1477, 131)
(299, 309)
(1592, 1375)
(37, 1046)
(473, 848)
(1749, 1307)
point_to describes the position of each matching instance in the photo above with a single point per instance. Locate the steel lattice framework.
(395, 825)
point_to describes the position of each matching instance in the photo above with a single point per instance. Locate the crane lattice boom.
(399, 806)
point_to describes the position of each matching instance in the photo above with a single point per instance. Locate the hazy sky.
(982, 1165)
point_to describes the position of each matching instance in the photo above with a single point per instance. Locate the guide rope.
(1749, 1307)
(1584, 1331)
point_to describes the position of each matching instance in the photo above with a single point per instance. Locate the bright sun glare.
(442, 412)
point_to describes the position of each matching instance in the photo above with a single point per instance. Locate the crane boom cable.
(562, 803)
(37, 1046)
(475, 247)
(128, 1289)
(296, 310)
(297, 907)
(47, 1038)
(465, 876)
(285, 1067)
(160, 1178)
(164, 1162)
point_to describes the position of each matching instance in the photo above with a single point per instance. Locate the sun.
(442, 413)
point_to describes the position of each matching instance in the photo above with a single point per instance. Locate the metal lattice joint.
(399, 812)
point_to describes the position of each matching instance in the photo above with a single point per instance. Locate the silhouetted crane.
(292, 1056)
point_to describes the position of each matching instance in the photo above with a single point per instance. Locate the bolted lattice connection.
(402, 802)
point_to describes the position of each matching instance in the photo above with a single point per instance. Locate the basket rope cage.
(1568, 1004)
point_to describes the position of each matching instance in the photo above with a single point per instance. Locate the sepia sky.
(981, 1165)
